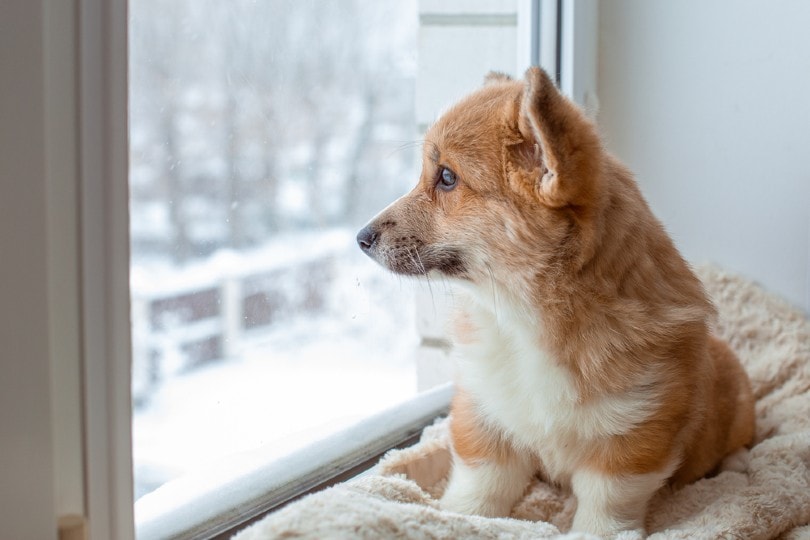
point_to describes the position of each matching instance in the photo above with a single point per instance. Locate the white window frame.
(82, 229)
(68, 314)
(104, 237)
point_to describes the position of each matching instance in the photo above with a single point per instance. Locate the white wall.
(709, 103)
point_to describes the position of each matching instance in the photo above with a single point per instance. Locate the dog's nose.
(366, 237)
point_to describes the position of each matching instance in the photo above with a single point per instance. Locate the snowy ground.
(303, 380)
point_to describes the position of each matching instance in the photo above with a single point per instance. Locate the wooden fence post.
(232, 314)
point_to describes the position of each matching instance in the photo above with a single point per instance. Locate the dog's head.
(510, 184)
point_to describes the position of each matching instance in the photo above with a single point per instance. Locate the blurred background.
(262, 136)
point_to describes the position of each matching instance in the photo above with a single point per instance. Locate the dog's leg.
(487, 488)
(488, 476)
(608, 504)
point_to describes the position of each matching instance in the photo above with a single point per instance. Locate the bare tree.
(235, 90)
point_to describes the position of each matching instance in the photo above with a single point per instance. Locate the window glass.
(263, 135)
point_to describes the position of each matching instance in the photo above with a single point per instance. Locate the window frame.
(103, 158)
(219, 509)
(101, 67)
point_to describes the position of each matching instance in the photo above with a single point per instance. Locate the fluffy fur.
(583, 342)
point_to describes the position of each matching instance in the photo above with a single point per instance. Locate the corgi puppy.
(584, 352)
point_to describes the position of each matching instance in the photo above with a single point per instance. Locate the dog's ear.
(565, 142)
(496, 77)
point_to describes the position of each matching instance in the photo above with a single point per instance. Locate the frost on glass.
(263, 134)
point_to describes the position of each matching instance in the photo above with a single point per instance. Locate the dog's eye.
(447, 179)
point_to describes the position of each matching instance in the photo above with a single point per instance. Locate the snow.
(295, 383)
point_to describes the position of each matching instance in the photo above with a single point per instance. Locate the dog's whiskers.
(423, 269)
(417, 260)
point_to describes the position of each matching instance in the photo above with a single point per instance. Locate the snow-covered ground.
(300, 380)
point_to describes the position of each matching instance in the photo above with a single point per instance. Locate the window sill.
(224, 499)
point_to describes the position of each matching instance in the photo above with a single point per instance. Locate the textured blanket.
(763, 492)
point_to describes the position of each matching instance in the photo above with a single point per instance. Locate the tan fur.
(542, 210)
(473, 441)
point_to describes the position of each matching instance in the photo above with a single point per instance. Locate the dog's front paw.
(463, 501)
(485, 489)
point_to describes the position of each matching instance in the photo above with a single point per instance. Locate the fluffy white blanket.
(759, 493)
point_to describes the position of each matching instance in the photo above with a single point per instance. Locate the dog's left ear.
(569, 148)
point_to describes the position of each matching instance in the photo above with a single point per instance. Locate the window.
(262, 136)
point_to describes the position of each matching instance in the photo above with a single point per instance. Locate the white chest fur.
(525, 392)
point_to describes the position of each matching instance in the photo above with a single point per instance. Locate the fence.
(183, 318)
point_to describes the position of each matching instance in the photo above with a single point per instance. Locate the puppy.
(584, 353)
